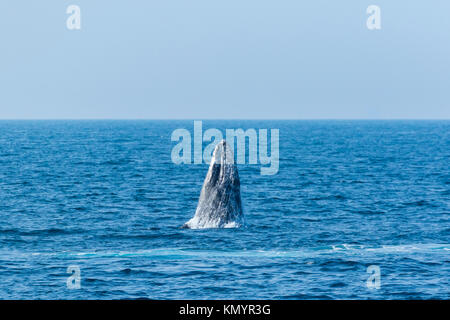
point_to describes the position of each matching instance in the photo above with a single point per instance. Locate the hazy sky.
(201, 59)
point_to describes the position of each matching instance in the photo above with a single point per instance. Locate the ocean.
(104, 200)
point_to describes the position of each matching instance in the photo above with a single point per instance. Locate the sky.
(233, 59)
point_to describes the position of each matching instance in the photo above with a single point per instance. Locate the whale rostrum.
(219, 205)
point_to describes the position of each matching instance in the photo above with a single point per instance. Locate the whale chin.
(219, 205)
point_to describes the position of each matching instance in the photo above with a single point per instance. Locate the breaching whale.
(219, 205)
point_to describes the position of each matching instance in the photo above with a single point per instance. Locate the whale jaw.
(220, 204)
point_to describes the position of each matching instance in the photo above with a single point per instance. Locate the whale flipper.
(219, 205)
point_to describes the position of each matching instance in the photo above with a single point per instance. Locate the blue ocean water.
(106, 197)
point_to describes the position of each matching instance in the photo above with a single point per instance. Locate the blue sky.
(202, 59)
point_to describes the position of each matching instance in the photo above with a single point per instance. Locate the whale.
(220, 204)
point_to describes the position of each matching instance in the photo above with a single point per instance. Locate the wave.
(173, 253)
(40, 232)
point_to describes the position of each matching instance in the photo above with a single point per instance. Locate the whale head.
(219, 205)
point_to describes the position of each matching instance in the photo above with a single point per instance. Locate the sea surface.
(105, 197)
